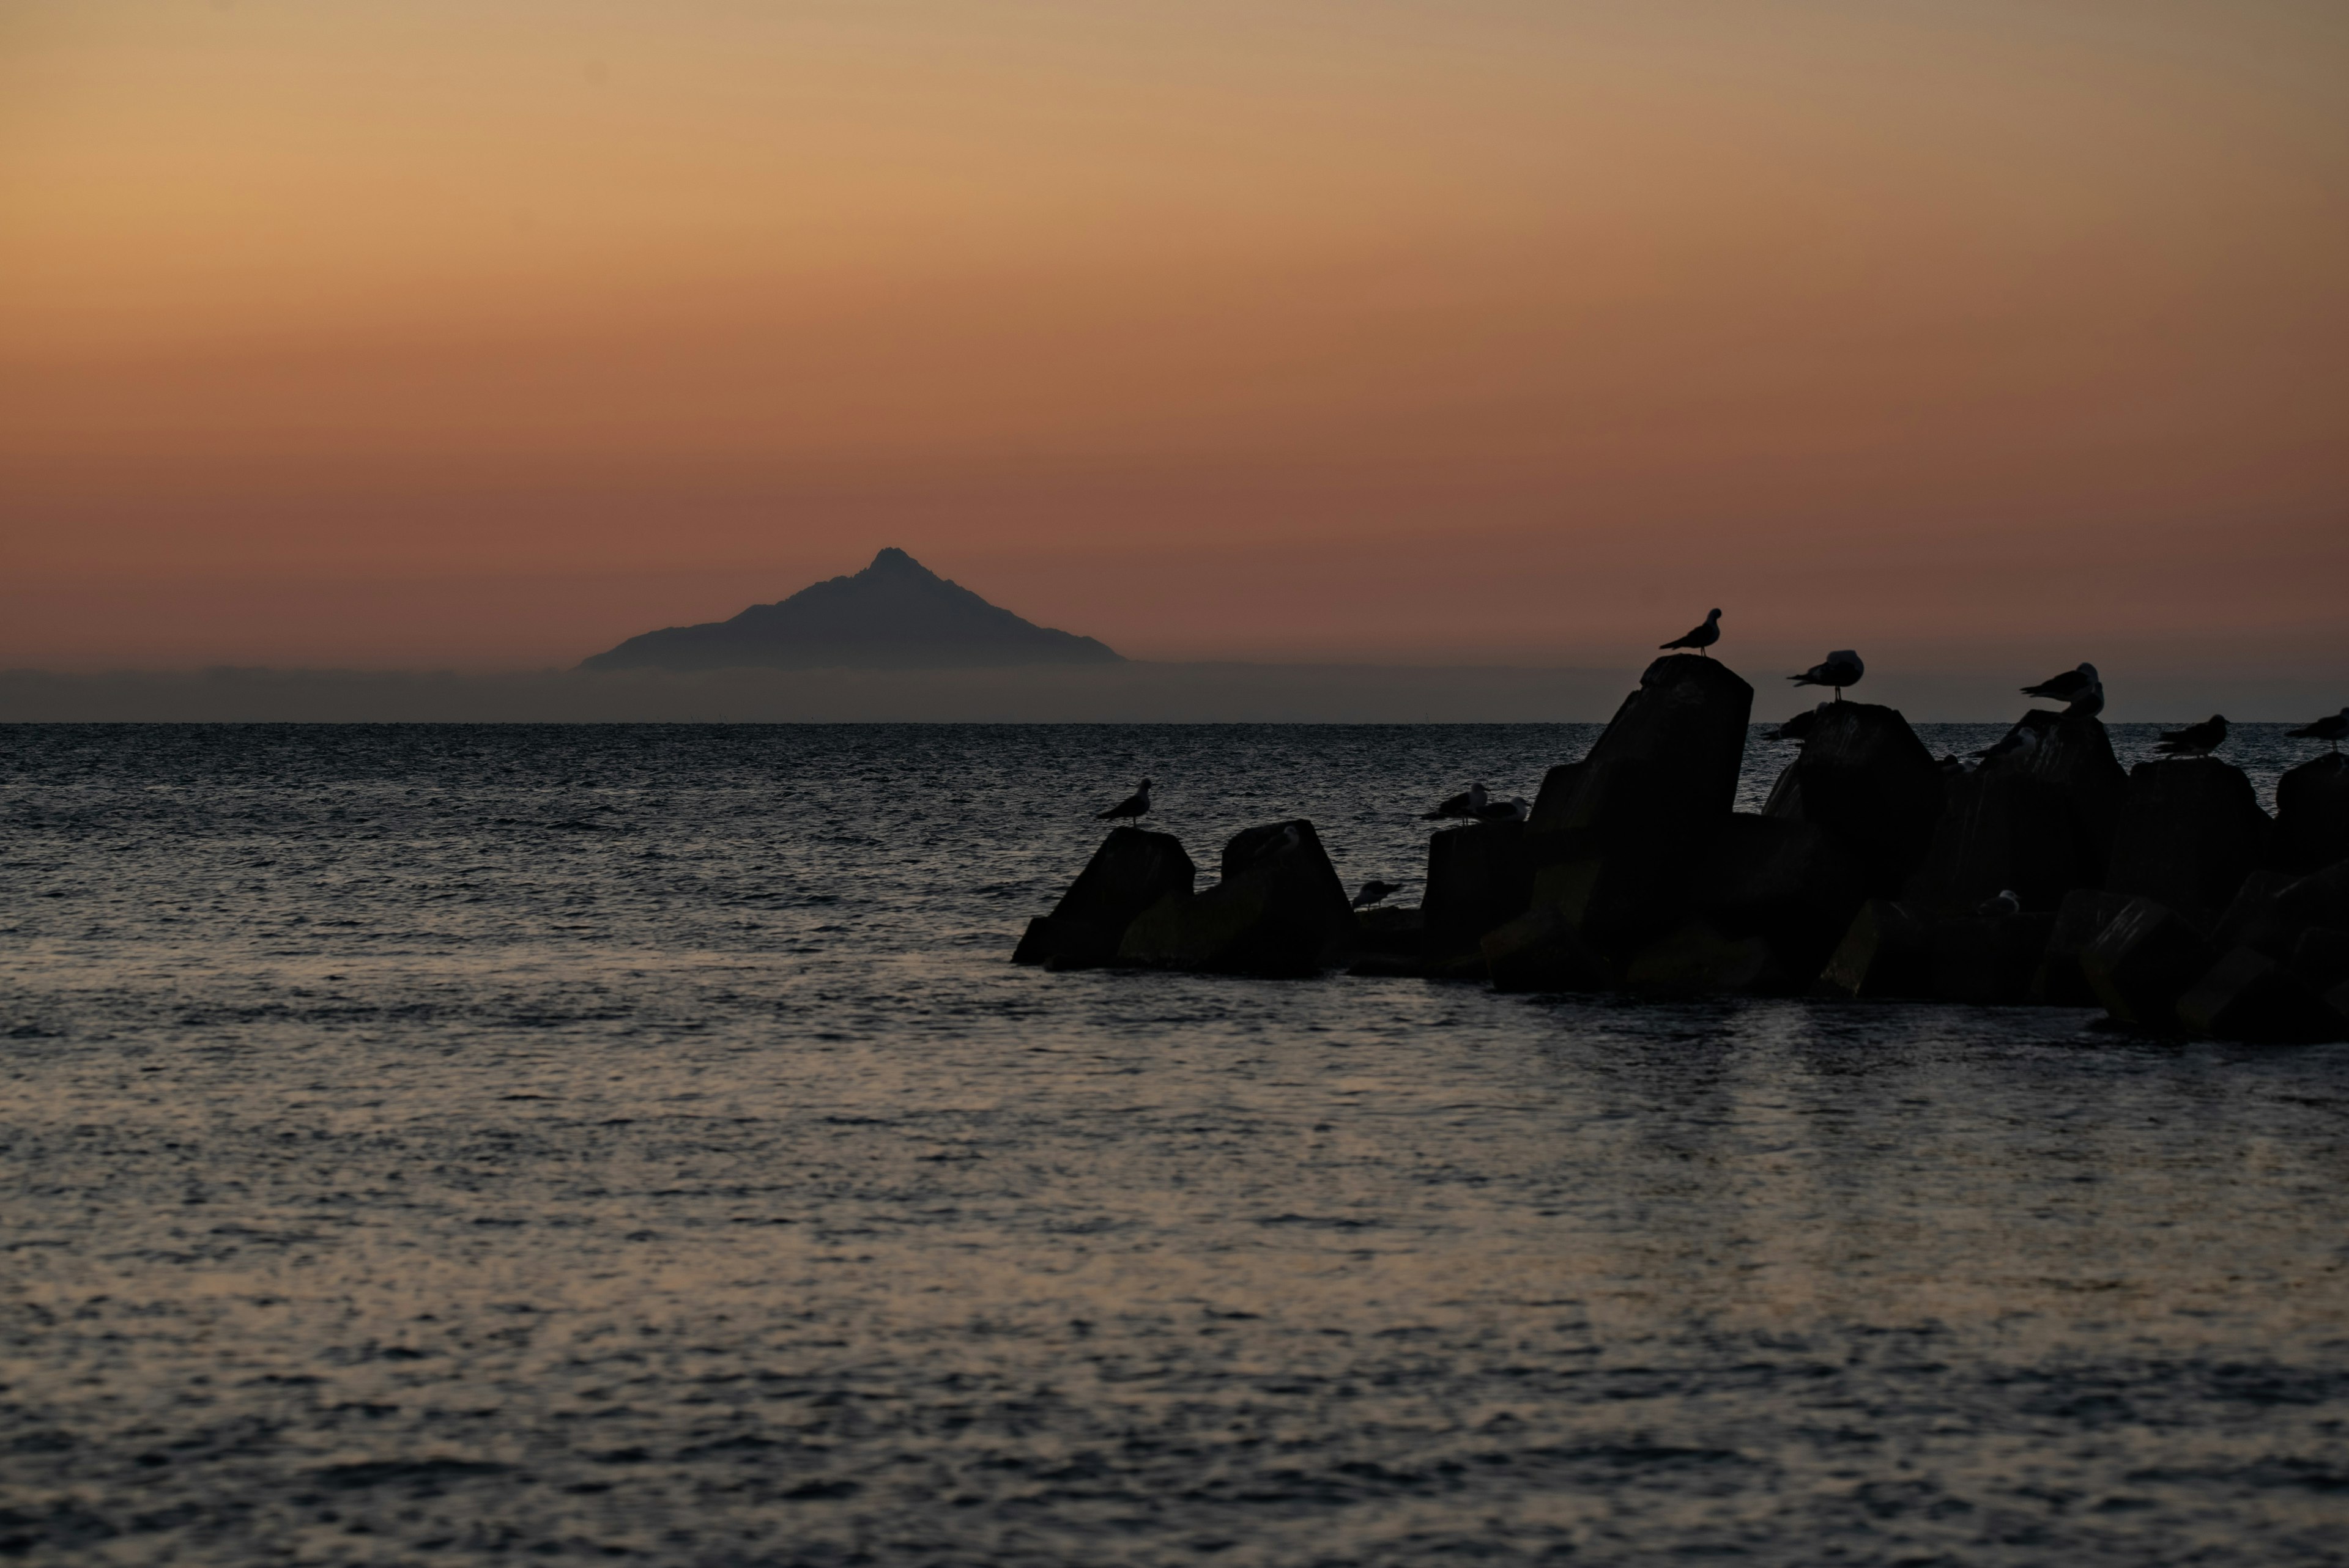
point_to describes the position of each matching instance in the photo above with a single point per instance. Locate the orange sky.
(484, 332)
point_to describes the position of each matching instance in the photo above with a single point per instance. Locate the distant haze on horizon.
(484, 334)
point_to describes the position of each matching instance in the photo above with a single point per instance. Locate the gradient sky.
(485, 333)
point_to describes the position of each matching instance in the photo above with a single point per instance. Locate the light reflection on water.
(450, 1142)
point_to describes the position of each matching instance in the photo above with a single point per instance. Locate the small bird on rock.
(1838, 669)
(1134, 805)
(1513, 809)
(2006, 902)
(2333, 728)
(1376, 892)
(1701, 637)
(2196, 739)
(1467, 803)
(2079, 690)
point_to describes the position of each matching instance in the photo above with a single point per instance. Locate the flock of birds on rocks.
(2080, 689)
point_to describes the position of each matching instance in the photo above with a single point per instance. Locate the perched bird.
(2006, 902)
(2197, 739)
(1513, 809)
(1840, 669)
(2079, 690)
(1134, 805)
(2333, 728)
(1701, 638)
(1376, 892)
(1799, 728)
(1467, 803)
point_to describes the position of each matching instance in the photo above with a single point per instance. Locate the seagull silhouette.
(2080, 690)
(1840, 669)
(1134, 805)
(1467, 803)
(1374, 891)
(2334, 727)
(2196, 739)
(1700, 638)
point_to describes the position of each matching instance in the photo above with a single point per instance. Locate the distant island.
(895, 614)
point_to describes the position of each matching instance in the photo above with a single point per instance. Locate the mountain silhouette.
(896, 613)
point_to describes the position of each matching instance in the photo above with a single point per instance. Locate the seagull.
(1799, 728)
(2006, 902)
(2196, 739)
(1840, 669)
(1467, 803)
(1374, 891)
(2074, 686)
(1701, 638)
(1513, 809)
(1134, 805)
(2333, 728)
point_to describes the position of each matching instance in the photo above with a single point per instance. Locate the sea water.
(457, 1144)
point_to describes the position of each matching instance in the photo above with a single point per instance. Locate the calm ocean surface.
(456, 1144)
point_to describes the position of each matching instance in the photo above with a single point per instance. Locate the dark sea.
(468, 1144)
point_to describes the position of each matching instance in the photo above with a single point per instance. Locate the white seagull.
(1840, 669)
(1467, 803)
(1134, 805)
(2080, 690)
(1700, 638)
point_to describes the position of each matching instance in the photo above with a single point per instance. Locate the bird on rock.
(2333, 728)
(2196, 739)
(1376, 892)
(2079, 690)
(1701, 637)
(2006, 902)
(1840, 669)
(1134, 805)
(1513, 809)
(1467, 803)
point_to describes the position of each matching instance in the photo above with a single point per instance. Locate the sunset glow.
(483, 335)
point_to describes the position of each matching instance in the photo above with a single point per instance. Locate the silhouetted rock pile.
(2045, 874)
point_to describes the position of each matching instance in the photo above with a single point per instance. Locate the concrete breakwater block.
(2190, 831)
(1630, 821)
(2142, 961)
(1865, 778)
(2249, 996)
(1279, 909)
(2311, 822)
(2059, 981)
(1887, 952)
(1132, 869)
(1478, 877)
(1793, 885)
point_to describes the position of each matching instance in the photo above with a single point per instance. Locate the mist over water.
(457, 1143)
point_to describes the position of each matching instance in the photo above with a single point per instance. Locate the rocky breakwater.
(2043, 872)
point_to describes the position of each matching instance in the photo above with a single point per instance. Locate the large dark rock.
(1279, 910)
(2320, 959)
(1987, 959)
(2191, 830)
(1697, 958)
(1864, 776)
(1625, 830)
(1477, 878)
(1791, 883)
(2142, 961)
(1132, 869)
(2248, 995)
(1887, 952)
(2037, 820)
(1541, 951)
(2079, 921)
(2311, 823)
